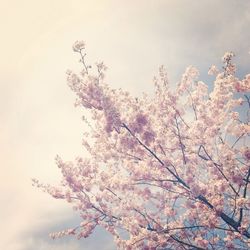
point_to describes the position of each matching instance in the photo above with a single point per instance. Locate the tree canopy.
(167, 170)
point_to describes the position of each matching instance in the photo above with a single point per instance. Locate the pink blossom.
(78, 46)
(227, 56)
(141, 119)
(247, 153)
(213, 70)
(165, 170)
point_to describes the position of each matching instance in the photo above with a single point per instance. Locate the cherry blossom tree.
(168, 170)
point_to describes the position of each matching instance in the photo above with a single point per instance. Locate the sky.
(37, 117)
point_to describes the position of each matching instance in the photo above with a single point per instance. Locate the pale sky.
(38, 118)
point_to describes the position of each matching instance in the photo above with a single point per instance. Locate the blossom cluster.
(168, 171)
(78, 46)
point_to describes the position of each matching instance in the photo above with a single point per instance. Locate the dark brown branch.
(248, 100)
(216, 165)
(181, 118)
(180, 141)
(193, 106)
(244, 195)
(237, 140)
(113, 193)
(83, 61)
(187, 244)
